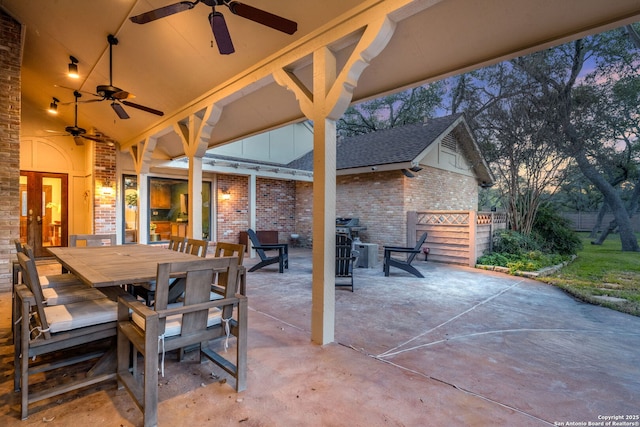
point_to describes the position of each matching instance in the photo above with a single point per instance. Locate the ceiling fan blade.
(161, 12)
(123, 94)
(143, 108)
(262, 17)
(92, 138)
(221, 33)
(119, 110)
(78, 140)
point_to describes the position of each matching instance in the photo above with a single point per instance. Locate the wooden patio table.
(109, 266)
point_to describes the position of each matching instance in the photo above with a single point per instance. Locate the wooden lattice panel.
(443, 218)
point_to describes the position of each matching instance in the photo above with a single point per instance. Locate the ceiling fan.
(78, 133)
(115, 94)
(217, 22)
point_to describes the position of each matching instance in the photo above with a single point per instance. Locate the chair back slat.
(177, 243)
(344, 245)
(197, 247)
(198, 277)
(32, 280)
(225, 249)
(255, 241)
(419, 244)
(92, 240)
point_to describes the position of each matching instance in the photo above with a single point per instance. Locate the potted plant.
(153, 236)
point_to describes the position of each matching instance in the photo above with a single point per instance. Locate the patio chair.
(403, 263)
(236, 250)
(60, 332)
(283, 253)
(92, 240)
(196, 247)
(346, 259)
(166, 327)
(177, 243)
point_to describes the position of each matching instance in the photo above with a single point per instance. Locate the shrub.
(514, 243)
(554, 233)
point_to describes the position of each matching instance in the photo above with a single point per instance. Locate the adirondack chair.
(283, 253)
(403, 263)
(53, 331)
(346, 259)
(165, 327)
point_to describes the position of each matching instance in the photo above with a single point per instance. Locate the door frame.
(34, 203)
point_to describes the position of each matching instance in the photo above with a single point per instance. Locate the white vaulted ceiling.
(170, 65)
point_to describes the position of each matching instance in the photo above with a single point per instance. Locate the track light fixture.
(73, 68)
(53, 107)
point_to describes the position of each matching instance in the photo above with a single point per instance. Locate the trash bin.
(368, 255)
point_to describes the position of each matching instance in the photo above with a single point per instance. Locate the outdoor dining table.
(111, 266)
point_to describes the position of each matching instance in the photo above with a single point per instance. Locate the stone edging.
(530, 274)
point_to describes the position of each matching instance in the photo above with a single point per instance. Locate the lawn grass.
(602, 270)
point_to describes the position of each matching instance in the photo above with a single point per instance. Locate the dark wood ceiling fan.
(79, 134)
(217, 22)
(115, 94)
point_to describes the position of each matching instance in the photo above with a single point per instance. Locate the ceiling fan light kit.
(73, 68)
(217, 21)
(53, 107)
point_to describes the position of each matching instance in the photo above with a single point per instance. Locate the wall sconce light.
(106, 188)
(53, 107)
(73, 68)
(226, 195)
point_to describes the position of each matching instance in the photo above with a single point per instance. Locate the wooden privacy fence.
(585, 221)
(455, 237)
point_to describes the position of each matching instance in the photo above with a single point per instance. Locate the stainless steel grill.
(349, 226)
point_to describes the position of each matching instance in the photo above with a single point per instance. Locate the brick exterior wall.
(381, 201)
(275, 207)
(10, 106)
(233, 214)
(104, 170)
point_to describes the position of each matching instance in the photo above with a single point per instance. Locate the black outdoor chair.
(405, 263)
(282, 258)
(346, 259)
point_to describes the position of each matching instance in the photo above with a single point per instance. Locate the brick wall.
(381, 200)
(10, 105)
(104, 185)
(276, 207)
(233, 214)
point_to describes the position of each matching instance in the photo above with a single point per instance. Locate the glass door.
(43, 210)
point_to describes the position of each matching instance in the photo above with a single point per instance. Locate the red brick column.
(10, 106)
(104, 185)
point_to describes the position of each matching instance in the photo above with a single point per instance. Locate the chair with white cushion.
(61, 332)
(196, 320)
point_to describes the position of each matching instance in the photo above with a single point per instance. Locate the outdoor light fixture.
(407, 173)
(225, 194)
(106, 187)
(53, 107)
(73, 68)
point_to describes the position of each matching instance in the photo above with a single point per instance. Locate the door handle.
(39, 219)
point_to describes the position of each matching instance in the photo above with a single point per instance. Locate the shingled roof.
(399, 147)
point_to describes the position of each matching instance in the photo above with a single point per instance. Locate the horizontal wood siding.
(455, 237)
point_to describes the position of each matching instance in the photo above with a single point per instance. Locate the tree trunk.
(612, 198)
(598, 225)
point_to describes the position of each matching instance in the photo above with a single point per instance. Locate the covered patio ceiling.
(170, 64)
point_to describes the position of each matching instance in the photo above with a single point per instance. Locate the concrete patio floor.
(461, 347)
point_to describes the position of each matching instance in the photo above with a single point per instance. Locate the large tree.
(398, 109)
(564, 96)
